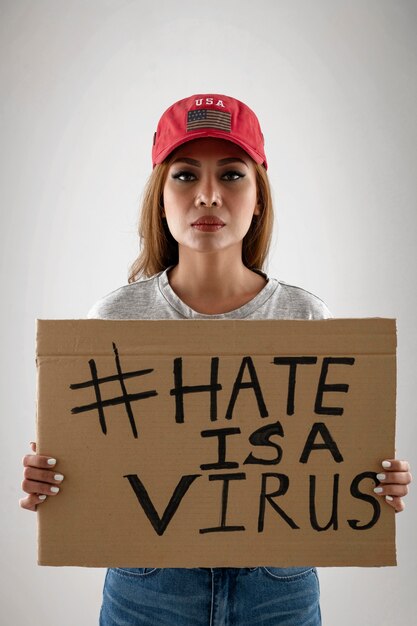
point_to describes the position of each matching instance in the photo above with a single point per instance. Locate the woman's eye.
(233, 173)
(180, 174)
(185, 176)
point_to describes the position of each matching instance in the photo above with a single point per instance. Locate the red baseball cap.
(208, 115)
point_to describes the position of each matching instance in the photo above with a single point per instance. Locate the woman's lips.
(207, 227)
(208, 223)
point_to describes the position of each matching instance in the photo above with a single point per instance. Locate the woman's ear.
(161, 206)
(257, 210)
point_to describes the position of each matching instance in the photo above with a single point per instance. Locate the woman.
(206, 225)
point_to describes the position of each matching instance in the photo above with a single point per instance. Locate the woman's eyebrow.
(221, 162)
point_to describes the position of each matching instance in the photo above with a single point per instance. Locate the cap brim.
(209, 133)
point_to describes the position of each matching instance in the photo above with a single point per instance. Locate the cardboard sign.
(216, 443)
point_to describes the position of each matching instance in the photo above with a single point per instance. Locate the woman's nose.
(208, 193)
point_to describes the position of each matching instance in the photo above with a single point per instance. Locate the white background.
(83, 84)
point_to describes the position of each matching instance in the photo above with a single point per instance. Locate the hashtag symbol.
(125, 398)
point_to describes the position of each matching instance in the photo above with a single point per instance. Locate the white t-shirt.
(153, 298)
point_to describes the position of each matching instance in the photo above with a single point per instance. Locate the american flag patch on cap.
(208, 118)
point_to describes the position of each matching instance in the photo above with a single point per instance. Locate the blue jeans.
(218, 596)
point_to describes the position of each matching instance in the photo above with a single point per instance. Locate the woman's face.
(210, 178)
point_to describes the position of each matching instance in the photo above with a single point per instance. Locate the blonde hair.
(158, 248)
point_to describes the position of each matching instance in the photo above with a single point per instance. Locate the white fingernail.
(386, 464)
(54, 489)
(379, 476)
(60, 477)
(378, 490)
(42, 497)
(390, 498)
(51, 461)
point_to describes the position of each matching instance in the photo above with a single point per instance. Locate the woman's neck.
(213, 284)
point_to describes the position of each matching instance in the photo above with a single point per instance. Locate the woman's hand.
(40, 479)
(394, 480)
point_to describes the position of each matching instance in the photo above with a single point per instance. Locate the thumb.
(33, 446)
